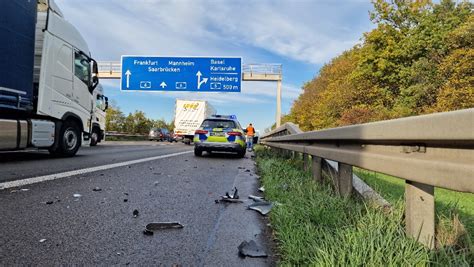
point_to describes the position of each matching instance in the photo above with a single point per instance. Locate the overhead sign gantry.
(203, 74)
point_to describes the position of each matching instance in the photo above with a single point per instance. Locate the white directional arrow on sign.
(204, 80)
(163, 85)
(128, 73)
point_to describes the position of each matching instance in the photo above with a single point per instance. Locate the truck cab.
(46, 96)
(98, 116)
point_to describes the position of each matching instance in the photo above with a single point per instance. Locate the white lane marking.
(50, 177)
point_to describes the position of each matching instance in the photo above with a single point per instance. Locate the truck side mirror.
(106, 103)
(95, 82)
(95, 76)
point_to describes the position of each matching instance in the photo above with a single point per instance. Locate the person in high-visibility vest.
(250, 134)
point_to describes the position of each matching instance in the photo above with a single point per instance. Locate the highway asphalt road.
(43, 223)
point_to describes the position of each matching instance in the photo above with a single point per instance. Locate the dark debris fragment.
(251, 249)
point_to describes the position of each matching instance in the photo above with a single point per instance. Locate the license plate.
(217, 134)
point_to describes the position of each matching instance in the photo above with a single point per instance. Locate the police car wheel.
(197, 152)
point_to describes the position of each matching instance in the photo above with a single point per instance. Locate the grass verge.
(448, 203)
(315, 227)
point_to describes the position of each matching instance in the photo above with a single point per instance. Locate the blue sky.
(300, 34)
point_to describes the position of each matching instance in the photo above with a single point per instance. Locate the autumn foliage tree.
(419, 59)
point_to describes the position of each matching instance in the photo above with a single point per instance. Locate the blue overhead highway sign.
(198, 74)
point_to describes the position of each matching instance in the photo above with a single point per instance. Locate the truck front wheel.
(69, 140)
(95, 137)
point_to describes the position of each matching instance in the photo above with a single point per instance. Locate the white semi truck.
(98, 116)
(188, 116)
(47, 78)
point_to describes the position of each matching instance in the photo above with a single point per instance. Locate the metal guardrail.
(428, 151)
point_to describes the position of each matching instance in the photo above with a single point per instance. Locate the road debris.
(42, 240)
(263, 207)
(97, 189)
(247, 170)
(125, 200)
(49, 202)
(77, 195)
(135, 213)
(24, 189)
(234, 198)
(261, 189)
(156, 226)
(251, 249)
(256, 198)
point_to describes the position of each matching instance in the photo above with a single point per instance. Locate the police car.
(220, 133)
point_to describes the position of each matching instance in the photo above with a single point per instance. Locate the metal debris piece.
(261, 189)
(97, 189)
(263, 207)
(234, 198)
(24, 189)
(155, 226)
(135, 213)
(256, 198)
(251, 249)
(42, 240)
(77, 195)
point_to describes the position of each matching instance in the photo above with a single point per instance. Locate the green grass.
(446, 201)
(314, 227)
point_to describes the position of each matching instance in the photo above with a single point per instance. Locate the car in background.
(174, 137)
(159, 134)
(220, 133)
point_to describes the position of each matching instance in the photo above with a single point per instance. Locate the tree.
(418, 59)
(114, 119)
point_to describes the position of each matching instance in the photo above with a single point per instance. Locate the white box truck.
(98, 116)
(47, 77)
(188, 116)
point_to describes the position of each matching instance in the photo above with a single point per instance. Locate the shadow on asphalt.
(26, 156)
(222, 155)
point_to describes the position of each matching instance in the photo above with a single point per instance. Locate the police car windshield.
(218, 124)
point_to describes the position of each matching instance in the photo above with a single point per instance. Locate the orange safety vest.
(250, 131)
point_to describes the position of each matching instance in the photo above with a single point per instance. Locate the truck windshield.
(218, 124)
(82, 68)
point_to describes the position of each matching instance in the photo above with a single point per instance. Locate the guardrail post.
(420, 212)
(306, 162)
(317, 169)
(344, 179)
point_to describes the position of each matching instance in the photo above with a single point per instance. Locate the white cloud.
(306, 31)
